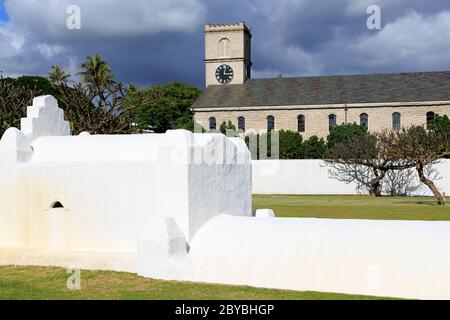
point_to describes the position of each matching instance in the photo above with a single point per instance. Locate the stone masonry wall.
(317, 119)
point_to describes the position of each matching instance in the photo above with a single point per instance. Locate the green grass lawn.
(43, 283)
(354, 207)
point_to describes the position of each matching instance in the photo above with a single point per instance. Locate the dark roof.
(372, 88)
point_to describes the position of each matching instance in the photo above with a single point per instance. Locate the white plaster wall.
(312, 177)
(14, 149)
(44, 118)
(407, 259)
(228, 189)
(104, 205)
(116, 190)
(98, 148)
(8, 195)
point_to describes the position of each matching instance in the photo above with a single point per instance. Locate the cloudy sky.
(157, 41)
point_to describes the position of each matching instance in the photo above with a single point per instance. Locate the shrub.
(345, 131)
(314, 148)
(163, 107)
(290, 144)
(230, 127)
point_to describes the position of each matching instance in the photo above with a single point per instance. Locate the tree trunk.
(430, 184)
(375, 183)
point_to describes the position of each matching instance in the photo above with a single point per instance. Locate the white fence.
(314, 177)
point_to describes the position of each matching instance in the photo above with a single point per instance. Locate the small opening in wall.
(57, 205)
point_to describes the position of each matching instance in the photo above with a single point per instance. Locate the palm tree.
(96, 73)
(57, 76)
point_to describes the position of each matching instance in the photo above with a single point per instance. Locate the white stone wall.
(120, 193)
(406, 259)
(44, 118)
(312, 177)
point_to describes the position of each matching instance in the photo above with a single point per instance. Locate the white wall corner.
(162, 249)
(15, 143)
(44, 118)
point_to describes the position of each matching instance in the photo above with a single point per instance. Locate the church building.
(309, 105)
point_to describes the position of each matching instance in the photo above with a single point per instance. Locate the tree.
(96, 73)
(84, 112)
(171, 109)
(441, 124)
(420, 148)
(14, 100)
(363, 159)
(97, 103)
(355, 155)
(342, 132)
(228, 128)
(314, 148)
(290, 145)
(57, 76)
(283, 144)
(40, 85)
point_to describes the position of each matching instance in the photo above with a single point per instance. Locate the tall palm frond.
(57, 76)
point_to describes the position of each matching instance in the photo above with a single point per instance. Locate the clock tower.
(227, 53)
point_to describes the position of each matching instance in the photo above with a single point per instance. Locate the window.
(396, 120)
(224, 47)
(270, 123)
(430, 117)
(331, 121)
(301, 123)
(212, 123)
(364, 120)
(241, 124)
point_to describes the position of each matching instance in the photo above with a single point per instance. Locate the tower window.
(364, 120)
(270, 123)
(396, 120)
(430, 117)
(224, 47)
(241, 124)
(331, 121)
(301, 123)
(212, 123)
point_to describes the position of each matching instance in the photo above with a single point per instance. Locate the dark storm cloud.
(162, 40)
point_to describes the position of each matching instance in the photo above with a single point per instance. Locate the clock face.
(224, 74)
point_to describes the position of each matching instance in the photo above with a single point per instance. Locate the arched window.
(212, 123)
(241, 124)
(430, 117)
(270, 123)
(396, 121)
(301, 123)
(331, 121)
(224, 47)
(364, 120)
